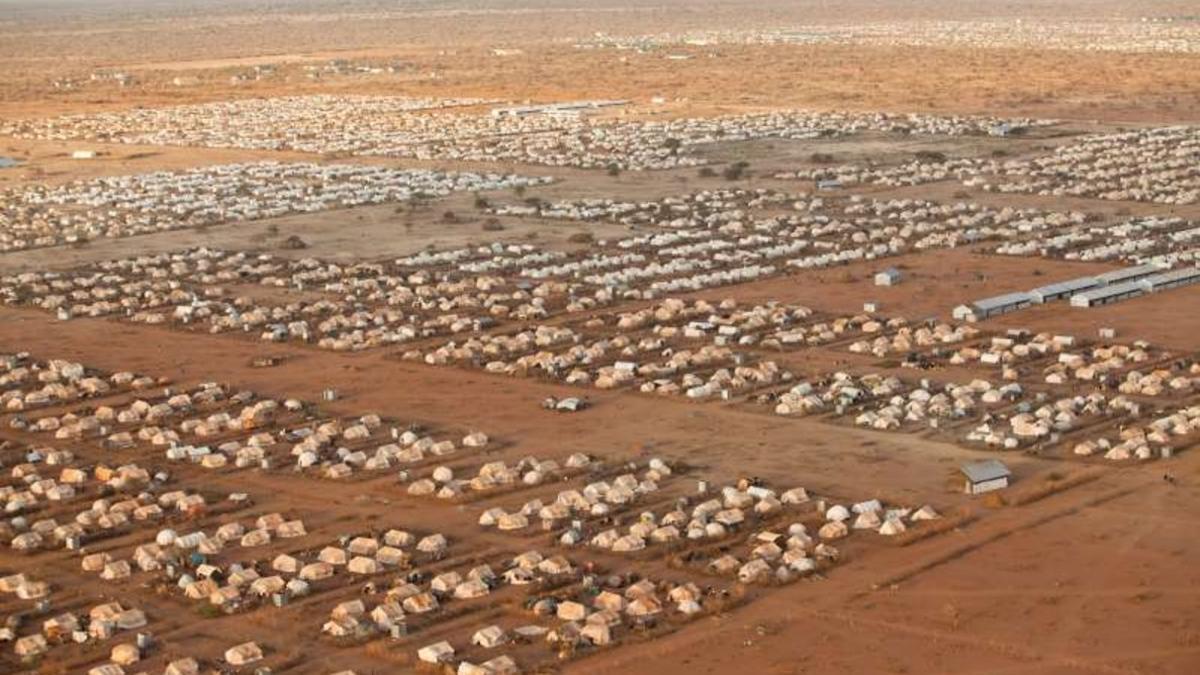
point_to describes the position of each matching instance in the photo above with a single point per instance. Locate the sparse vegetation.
(736, 170)
(293, 243)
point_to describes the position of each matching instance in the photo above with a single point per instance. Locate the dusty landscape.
(623, 336)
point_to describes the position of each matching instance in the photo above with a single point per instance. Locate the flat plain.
(546, 336)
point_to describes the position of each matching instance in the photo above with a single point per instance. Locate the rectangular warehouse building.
(995, 306)
(1062, 289)
(1172, 279)
(1127, 274)
(1107, 295)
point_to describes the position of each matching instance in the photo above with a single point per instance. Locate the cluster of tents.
(123, 206)
(1150, 164)
(424, 129)
(27, 383)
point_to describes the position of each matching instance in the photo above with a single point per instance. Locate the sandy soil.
(1092, 579)
(1053, 588)
(1065, 584)
(451, 47)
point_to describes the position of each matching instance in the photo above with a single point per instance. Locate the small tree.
(736, 171)
(294, 243)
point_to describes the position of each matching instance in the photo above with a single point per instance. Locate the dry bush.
(933, 528)
(293, 243)
(293, 660)
(379, 649)
(994, 500)
(1053, 484)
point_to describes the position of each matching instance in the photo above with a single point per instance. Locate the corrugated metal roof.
(1068, 286)
(1129, 273)
(1005, 300)
(1186, 274)
(1110, 291)
(985, 470)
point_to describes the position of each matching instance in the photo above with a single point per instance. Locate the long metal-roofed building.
(1172, 279)
(1102, 289)
(1106, 295)
(1127, 274)
(994, 306)
(1062, 289)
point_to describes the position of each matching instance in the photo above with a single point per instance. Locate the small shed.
(985, 476)
(888, 277)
